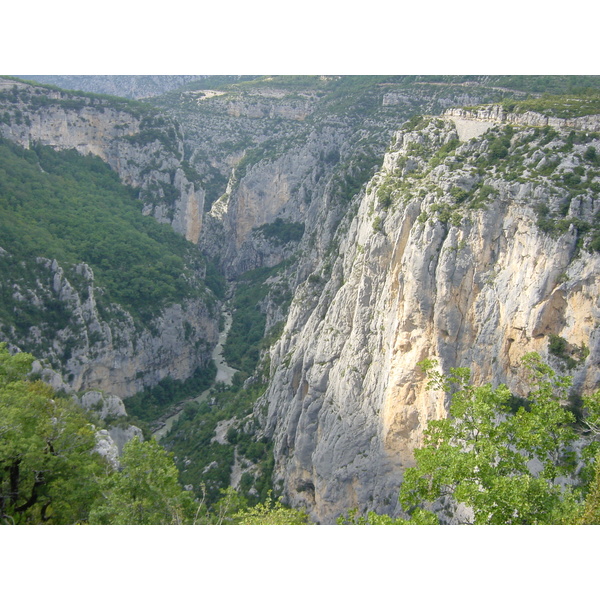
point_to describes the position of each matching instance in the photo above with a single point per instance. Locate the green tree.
(271, 512)
(49, 472)
(145, 491)
(591, 510)
(508, 464)
(224, 511)
(418, 517)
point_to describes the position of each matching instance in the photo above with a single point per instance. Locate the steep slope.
(285, 162)
(473, 253)
(282, 147)
(144, 147)
(90, 282)
(472, 237)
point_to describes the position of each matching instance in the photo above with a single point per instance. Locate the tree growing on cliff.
(509, 460)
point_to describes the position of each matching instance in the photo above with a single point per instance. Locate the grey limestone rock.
(347, 403)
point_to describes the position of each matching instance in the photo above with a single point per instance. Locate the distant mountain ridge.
(127, 86)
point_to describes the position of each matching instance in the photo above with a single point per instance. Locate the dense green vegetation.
(242, 350)
(569, 354)
(562, 106)
(481, 454)
(50, 472)
(72, 208)
(49, 469)
(153, 402)
(549, 84)
(271, 512)
(204, 462)
(145, 491)
(282, 231)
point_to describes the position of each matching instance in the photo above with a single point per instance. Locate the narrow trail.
(224, 375)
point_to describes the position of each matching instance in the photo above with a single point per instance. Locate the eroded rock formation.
(425, 272)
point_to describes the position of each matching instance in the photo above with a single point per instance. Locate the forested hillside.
(74, 209)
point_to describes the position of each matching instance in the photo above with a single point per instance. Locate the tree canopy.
(51, 472)
(501, 459)
(507, 460)
(145, 491)
(48, 470)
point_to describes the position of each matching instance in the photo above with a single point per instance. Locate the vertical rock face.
(497, 114)
(426, 270)
(473, 244)
(280, 188)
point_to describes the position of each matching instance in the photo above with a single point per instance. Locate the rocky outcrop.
(95, 344)
(107, 448)
(121, 435)
(255, 108)
(103, 406)
(497, 114)
(108, 407)
(425, 270)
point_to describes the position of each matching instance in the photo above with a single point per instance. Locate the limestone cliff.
(497, 114)
(286, 147)
(473, 239)
(471, 253)
(259, 193)
(103, 346)
(144, 148)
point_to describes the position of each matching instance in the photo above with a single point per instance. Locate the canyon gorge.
(361, 224)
